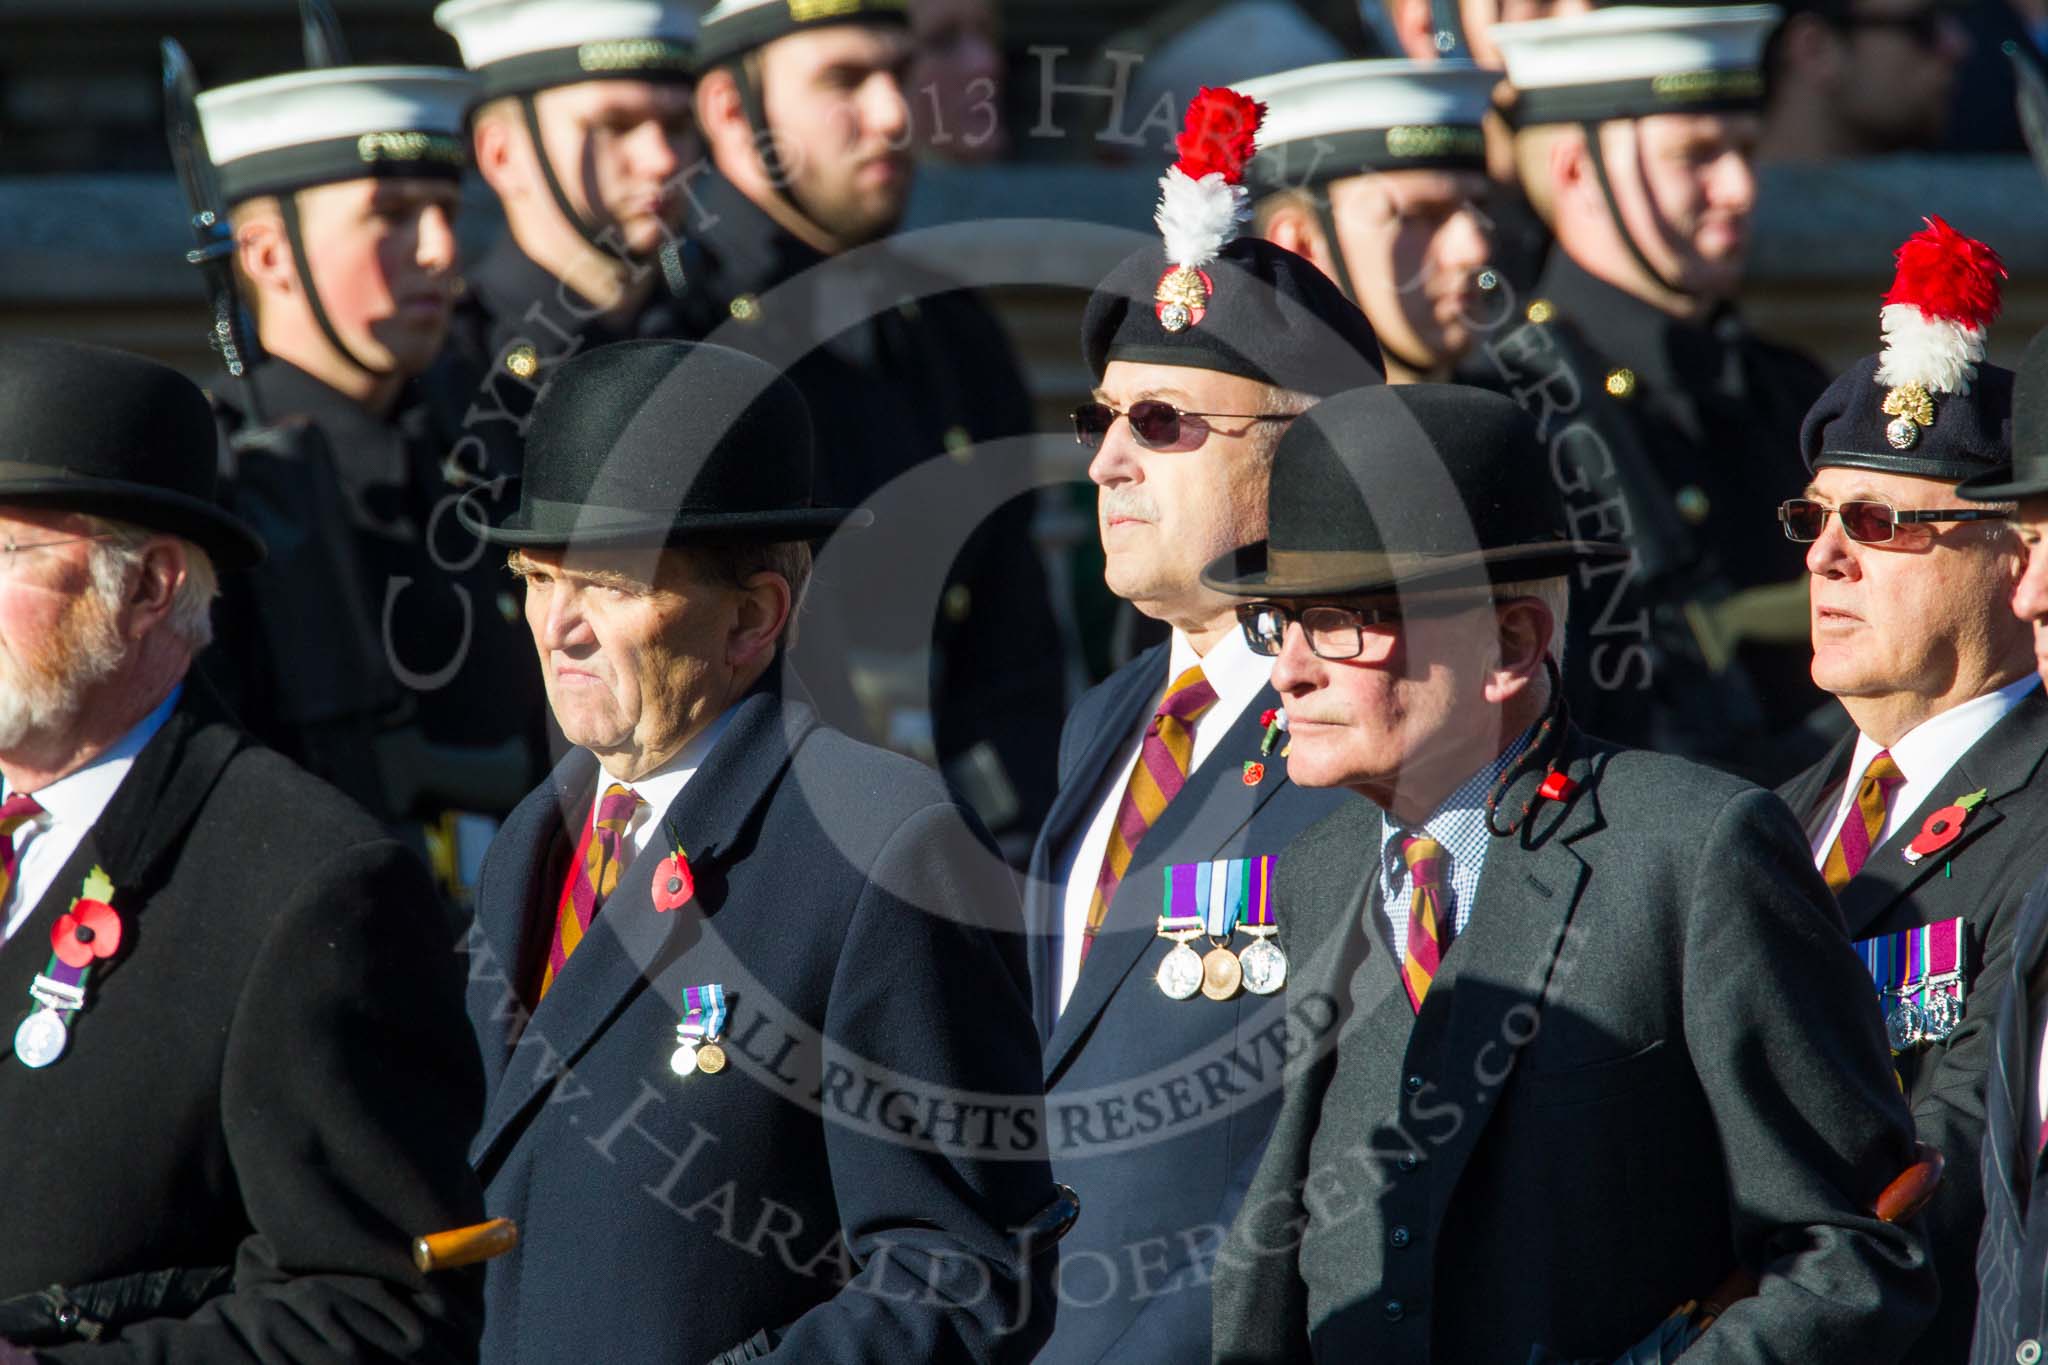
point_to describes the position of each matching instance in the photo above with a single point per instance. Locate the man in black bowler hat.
(1668, 421)
(1911, 587)
(239, 1083)
(752, 1004)
(2012, 1252)
(1172, 761)
(1601, 1040)
(375, 648)
(937, 637)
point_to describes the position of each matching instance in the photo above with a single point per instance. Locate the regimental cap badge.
(1203, 200)
(1944, 296)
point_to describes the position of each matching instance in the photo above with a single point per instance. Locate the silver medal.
(1904, 1025)
(41, 1038)
(1180, 973)
(683, 1061)
(1265, 966)
(1940, 1016)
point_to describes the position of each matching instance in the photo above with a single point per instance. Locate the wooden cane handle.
(1909, 1194)
(464, 1246)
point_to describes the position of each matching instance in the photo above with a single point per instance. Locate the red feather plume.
(1219, 134)
(1948, 276)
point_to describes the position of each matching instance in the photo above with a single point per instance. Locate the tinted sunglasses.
(1157, 425)
(1869, 523)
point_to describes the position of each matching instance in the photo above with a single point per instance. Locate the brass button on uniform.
(523, 361)
(1693, 503)
(959, 443)
(744, 308)
(1540, 311)
(1621, 383)
(958, 602)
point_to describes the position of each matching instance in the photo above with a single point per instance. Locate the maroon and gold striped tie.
(15, 811)
(1162, 770)
(1428, 929)
(602, 859)
(1862, 825)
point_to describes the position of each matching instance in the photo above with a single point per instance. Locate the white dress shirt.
(71, 806)
(1238, 675)
(659, 789)
(1924, 756)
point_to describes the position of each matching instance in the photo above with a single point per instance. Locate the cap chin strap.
(575, 219)
(1628, 239)
(754, 106)
(1341, 272)
(288, 207)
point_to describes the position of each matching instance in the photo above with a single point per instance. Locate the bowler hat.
(87, 429)
(1395, 488)
(653, 442)
(2028, 477)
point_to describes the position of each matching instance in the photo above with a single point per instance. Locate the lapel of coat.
(1213, 805)
(630, 941)
(1131, 693)
(1811, 795)
(142, 825)
(2008, 1087)
(1500, 972)
(2002, 762)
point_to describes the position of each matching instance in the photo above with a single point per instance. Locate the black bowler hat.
(2028, 477)
(1926, 405)
(655, 442)
(1398, 488)
(92, 430)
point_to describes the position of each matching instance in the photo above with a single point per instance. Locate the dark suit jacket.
(1650, 1056)
(1157, 1108)
(272, 1073)
(1982, 877)
(2012, 1254)
(847, 1185)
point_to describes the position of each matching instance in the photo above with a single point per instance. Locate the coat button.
(67, 1316)
(1540, 311)
(1399, 1237)
(1414, 1084)
(744, 308)
(1394, 1310)
(1409, 1161)
(2029, 1352)
(1621, 383)
(523, 361)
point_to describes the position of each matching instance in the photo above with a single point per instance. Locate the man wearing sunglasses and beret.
(1925, 820)
(1171, 774)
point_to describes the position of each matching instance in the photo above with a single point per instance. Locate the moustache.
(1118, 502)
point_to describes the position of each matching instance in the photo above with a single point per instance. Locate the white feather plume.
(1197, 217)
(1939, 356)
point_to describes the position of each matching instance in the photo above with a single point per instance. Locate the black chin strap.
(288, 208)
(1628, 239)
(584, 228)
(754, 106)
(1319, 195)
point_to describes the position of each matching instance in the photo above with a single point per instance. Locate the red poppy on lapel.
(673, 883)
(1942, 828)
(88, 930)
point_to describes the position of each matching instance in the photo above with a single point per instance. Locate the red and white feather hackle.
(1943, 298)
(1202, 198)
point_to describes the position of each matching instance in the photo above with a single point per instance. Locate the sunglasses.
(1869, 523)
(1157, 425)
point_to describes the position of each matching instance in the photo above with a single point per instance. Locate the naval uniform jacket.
(944, 601)
(1157, 1109)
(845, 1189)
(272, 1074)
(1677, 439)
(1650, 1056)
(1982, 877)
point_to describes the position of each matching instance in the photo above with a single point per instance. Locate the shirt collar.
(1465, 807)
(80, 797)
(1927, 751)
(1231, 668)
(660, 788)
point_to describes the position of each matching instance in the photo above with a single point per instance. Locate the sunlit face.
(1165, 514)
(57, 636)
(2030, 599)
(384, 258)
(632, 668)
(1414, 244)
(1416, 717)
(834, 98)
(619, 149)
(1685, 185)
(1921, 617)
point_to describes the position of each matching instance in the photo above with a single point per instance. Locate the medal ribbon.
(1914, 961)
(1181, 909)
(1258, 904)
(1225, 896)
(703, 1012)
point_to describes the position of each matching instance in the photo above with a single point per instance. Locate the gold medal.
(711, 1059)
(1222, 973)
